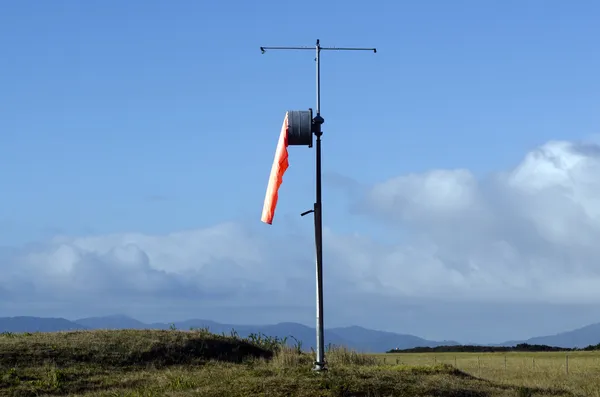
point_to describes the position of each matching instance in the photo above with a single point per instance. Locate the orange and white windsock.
(280, 165)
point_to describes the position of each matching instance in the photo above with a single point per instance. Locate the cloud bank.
(530, 233)
(525, 235)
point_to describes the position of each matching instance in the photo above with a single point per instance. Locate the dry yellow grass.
(577, 372)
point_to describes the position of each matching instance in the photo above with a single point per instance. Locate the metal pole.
(320, 359)
(320, 364)
(318, 217)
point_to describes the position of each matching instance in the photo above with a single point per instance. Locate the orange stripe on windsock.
(280, 165)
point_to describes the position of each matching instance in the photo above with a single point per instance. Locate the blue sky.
(158, 117)
(109, 105)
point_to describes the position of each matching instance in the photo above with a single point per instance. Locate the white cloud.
(220, 262)
(526, 235)
(436, 195)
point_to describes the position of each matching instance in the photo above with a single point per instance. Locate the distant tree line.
(521, 347)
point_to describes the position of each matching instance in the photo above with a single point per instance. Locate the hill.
(367, 340)
(111, 322)
(156, 363)
(357, 338)
(577, 338)
(37, 324)
(354, 337)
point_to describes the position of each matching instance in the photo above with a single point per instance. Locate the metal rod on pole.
(320, 364)
(318, 60)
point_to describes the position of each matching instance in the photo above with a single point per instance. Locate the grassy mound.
(124, 348)
(175, 363)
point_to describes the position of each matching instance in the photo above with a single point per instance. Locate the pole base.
(320, 367)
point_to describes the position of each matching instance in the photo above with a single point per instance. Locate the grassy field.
(196, 363)
(577, 372)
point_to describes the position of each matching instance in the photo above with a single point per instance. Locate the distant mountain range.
(358, 338)
(578, 338)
